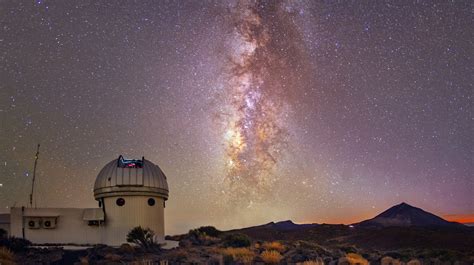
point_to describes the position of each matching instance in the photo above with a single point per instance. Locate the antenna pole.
(34, 175)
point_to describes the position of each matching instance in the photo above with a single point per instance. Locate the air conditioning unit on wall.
(49, 222)
(33, 223)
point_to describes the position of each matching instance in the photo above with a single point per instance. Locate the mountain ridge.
(405, 215)
(400, 215)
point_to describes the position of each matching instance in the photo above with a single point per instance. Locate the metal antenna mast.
(34, 175)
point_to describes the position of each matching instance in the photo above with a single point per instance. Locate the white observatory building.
(130, 193)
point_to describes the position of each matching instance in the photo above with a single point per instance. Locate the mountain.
(400, 227)
(288, 225)
(405, 215)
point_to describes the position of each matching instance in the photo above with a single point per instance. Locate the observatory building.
(129, 192)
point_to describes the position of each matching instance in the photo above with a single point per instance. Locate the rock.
(414, 262)
(389, 261)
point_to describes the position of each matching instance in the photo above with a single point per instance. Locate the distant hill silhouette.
(401, 226)
(287, 225)
(406, 215)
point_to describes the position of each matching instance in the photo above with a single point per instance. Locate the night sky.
(256, 111)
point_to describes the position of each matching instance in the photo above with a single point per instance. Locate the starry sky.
(257, 111)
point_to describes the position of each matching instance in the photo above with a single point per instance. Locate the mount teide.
(405, 215)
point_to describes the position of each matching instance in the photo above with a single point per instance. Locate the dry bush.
(311, 262)
(244, 255)
(353, 259)
(14, 244)
(127, 248)
(271, 257)
(414, 262)
(6, 256)
(237, 240)
(214, 250)
(389, 261)
(275, 245)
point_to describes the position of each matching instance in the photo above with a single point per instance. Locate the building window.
(120, 202)
(151, 201)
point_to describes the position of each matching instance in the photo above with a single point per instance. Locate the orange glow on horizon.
(460, 218)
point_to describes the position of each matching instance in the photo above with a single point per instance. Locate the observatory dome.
(130, 177)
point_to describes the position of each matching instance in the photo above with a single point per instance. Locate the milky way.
(265, 67)
(257, 111)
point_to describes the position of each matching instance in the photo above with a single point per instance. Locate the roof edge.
(130, 191)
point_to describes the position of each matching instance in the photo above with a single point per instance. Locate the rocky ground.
(209, 246)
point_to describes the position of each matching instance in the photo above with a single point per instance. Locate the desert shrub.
(390, 261)
(185, 243)
(126, 248)
(204, 235)
(414, 262)
(144, 237)
(275, 245)
(303, 247)
(6, 256)
(301, 251)
(237, 241)
(15, 244)
(209, 230)
(271, 257)
(353, 259)
(3, 233)
(240, 255)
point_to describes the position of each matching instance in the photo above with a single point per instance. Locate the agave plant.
(144, 237)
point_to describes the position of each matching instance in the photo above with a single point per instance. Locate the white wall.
(136, 212)
(70, 227)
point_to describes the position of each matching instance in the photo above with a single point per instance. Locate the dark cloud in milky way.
(268, 67)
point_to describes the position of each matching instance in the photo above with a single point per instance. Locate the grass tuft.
(6, 256)
(271, 257)
(275, 245)
(353, 259)
(240, 255)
